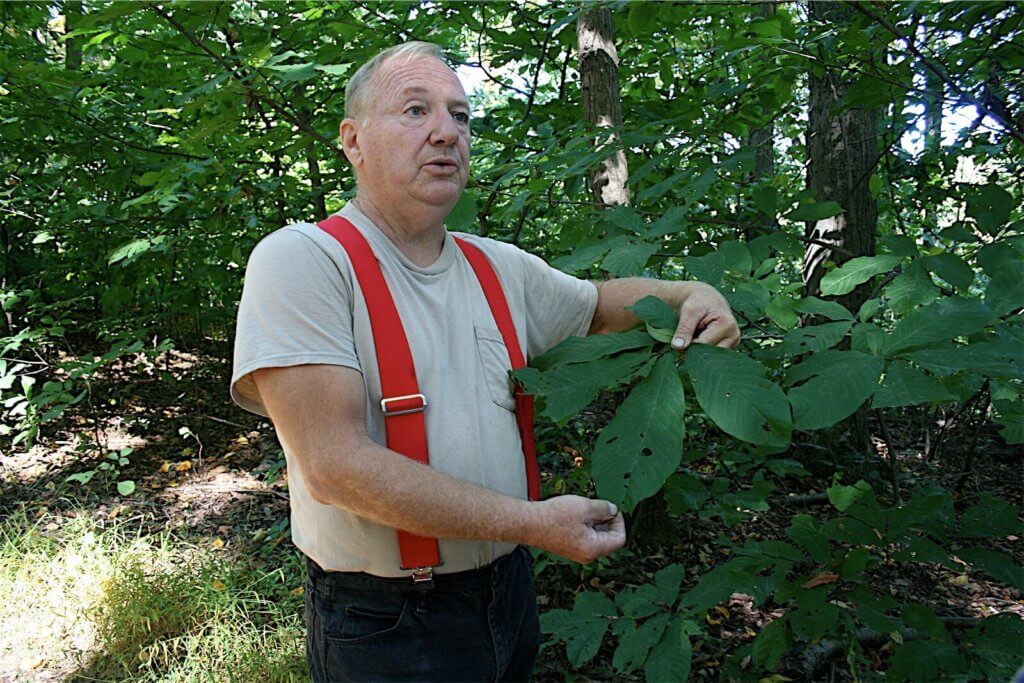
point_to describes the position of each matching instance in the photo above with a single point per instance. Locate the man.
(305, 356)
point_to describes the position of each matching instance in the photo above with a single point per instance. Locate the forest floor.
(193, 577)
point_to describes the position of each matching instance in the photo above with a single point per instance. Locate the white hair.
(356, 94)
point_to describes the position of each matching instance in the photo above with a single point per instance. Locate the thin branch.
(1009, 124)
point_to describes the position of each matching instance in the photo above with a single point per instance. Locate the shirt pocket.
(496, 366)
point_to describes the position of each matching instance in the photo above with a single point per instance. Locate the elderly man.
(313, 353)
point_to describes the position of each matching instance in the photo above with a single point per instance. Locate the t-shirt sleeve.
(295, 310)
(558, 305)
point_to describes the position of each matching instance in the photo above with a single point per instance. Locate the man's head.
(406, 130)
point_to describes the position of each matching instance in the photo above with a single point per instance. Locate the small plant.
(112, 464)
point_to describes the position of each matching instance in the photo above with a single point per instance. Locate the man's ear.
(349, 134)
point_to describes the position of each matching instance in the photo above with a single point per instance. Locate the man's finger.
(688, 321)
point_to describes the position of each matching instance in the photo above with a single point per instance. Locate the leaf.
(859, 502)
(924, 620)
(821, 579)
(990, 206)
(950, 268)
(828, 309)
(913, 287)
(636, 642)
(814, 617)
(1005, 292)
(629, 259)
(1010, 414)
(836, 391)
(655, 312)
(806, 533)
(294, 73)
(814, 211)
(642, 445)
(905, 385)
(926, 660)
(126, 487)
(732, 390)
(582, 349)
(130, 250)
(782, 311)
(999, 566)
(856, 271)
(951, 317)
(670, 659)
(583, 628)
(771, 643)
(990, 640)
(570, 388)
(814, 337)
(463, 216)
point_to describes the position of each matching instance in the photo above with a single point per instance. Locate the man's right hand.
(576, 528)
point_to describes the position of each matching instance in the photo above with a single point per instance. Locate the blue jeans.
(479, 625)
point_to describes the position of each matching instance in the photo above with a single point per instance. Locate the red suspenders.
(402, 402)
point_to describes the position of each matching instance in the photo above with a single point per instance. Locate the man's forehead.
(423, 76)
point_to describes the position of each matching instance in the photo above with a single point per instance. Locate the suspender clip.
(423, 578)
(403, 405)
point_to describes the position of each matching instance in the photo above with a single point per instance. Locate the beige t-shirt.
(301, 304)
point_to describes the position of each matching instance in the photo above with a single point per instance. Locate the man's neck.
(421, 242)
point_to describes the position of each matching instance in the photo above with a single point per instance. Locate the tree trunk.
(842, 152)
(72, 46)
(762, 140)
(315, 178)
(602, 107)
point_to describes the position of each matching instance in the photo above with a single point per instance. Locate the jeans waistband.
(466, 580)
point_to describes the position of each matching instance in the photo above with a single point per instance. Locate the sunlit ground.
(86, 603)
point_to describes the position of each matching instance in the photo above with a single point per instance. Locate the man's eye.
(415, 111)
(461, 117)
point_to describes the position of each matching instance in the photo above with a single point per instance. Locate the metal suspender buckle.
(423, 578)
(411, 403)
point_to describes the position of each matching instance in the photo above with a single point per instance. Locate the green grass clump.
(113, 604)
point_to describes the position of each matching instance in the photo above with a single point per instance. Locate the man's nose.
(444, 130)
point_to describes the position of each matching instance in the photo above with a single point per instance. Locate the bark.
(72, 46)
(602, 107)
(315, 178)
(842, 152)
(761, 139)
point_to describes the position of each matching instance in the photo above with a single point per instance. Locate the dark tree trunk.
(762, 140)
(842, 152)
(315, 178)
(602, 107)
(72, 46)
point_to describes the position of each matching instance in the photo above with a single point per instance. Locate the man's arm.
(319, 411)
(703, 311)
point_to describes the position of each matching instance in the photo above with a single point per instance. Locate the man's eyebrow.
(420, 90)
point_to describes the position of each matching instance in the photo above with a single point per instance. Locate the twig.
(227, 422)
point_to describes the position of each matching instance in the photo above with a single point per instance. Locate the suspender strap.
(524, 402)
(402, 402)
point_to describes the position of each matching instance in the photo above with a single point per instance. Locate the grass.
(84, 602)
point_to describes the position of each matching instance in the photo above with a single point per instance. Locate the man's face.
(413, 136)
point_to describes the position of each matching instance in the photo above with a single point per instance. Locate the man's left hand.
(705, 318)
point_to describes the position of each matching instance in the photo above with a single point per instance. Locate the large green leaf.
(990, 205)
(854, 272)
(733, 391)
(913, 287)
(945, 319)
(636, 641)
(569, 388)
(1005, 292)
(905, 385)
(582, 628)
(923, 661)
(670, 659)
(629, 259)
(998, 565)
(814, 337)
(642, 445)
(950, 268)
(836, 390)
(582, 349)
(1010, 414)
(815, 211)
